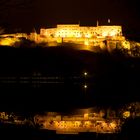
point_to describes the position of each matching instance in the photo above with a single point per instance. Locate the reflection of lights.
(88, 123)
(126, 114)
(86, 116)
(77, 123)
(113, 125)
(85, 86)
(104, 124)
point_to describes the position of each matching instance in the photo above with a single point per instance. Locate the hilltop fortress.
(100, 36)
(77, 31)
(105, 37)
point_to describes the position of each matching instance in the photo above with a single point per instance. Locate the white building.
(77, 31)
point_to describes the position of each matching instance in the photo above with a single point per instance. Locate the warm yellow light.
(104, 124)
(126, 114)
(79, 35)
(112, 33)
(88, 123)
(8, 41)
(59, 40)
(126, 44)
(105, 33)
(88, 35)
(113, 125)
(86, 42)
(77, 123)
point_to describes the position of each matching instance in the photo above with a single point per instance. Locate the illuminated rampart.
(105, 37)
(77, 31)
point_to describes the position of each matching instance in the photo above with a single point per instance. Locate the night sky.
(25, 15)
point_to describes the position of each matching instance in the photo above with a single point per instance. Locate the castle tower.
(79, 22)
(97, 23)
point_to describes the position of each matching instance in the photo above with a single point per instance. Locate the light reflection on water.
(85, 120)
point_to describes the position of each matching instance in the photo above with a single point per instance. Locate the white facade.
(76, 31)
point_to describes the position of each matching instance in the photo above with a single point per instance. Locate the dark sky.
(29, 14)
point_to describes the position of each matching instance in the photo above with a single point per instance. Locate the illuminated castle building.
(83, 35)
(74, 33)
(77, 31)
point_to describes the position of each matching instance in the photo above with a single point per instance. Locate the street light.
(85, 73)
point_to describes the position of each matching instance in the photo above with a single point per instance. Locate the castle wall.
(81, 31)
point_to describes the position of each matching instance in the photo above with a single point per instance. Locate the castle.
(77, 31)
(73, 33)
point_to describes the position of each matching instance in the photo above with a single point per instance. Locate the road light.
(85, 73)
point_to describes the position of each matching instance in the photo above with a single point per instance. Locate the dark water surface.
(34, 80)
(53, 79)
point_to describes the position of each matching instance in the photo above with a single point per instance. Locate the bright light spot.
(105, 33)
(8, 41)
(85, 73)
(79, 35)
(126, 114)
(59, 40)
(88, 123)
(86, 116)
(87, 35)
(104, 124)
(113, 125)
(85, 86)
(87, 42)
(108, 20)
(113, 33)
(126, 44)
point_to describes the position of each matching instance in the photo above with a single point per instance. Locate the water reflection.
(97, 120)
